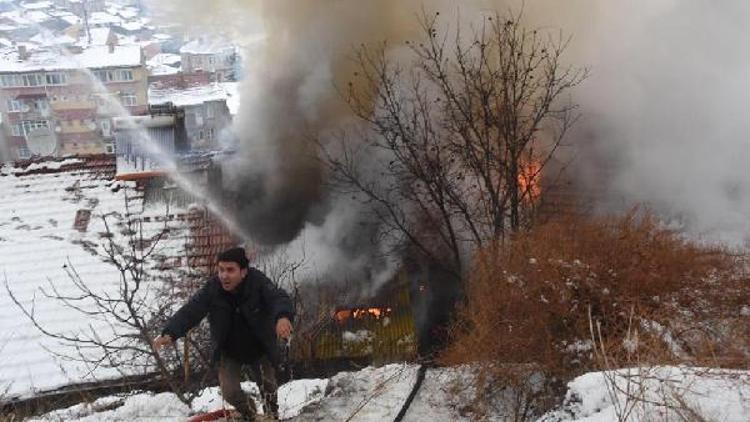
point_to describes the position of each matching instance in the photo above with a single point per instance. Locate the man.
(244, 309)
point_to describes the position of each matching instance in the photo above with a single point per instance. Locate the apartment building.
(212, 55)
(57, 104)
(205, 110)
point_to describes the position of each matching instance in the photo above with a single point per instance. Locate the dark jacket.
(260, 303)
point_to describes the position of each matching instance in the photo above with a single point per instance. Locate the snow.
(187, 96)
(164, 58)
(205, 45)
(94, 57)
(98, 37)
(233, 96)
(40, 5)
(103, 19)
(377, 394)
(47, 38)
(656, 393)
(132, 26)
(296, 395)
(162, 69)
(37, 245)
(136, 407)
(37, 16)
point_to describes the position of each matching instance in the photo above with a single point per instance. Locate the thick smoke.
(662, 110)
(289, 104)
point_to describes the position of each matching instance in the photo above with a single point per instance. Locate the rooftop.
(187, 96)
(93, 57)
(204, 45)
(39, 245)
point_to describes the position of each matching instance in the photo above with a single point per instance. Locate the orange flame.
(529, 176)
(360, 313)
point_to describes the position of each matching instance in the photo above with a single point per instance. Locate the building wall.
(77, 113)
(180, 80)
(203, 123)
(220, 65)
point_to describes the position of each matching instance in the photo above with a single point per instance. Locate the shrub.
(642, 293)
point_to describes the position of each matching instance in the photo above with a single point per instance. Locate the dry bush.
(654, 296)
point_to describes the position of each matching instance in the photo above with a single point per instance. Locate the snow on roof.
(233, 96)
(163, 69)
(103, 18)
(59, 13)
(161, 37)
(128, 12)
(5, 27)
(164, 58)
(39, 5)
(204, 45)
(15, 16)
(47, 38)
(37, 16)
(98, 36)
(38, 244)
(71, 19)
(132, 26)
(188, 96)
(93, 57)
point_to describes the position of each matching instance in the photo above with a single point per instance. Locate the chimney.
(23, 53)
(111, 41)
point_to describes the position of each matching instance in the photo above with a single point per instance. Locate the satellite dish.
(41, 141)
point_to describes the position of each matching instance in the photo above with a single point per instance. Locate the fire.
(342, 315)
(529, 176)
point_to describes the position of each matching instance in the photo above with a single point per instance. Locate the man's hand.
(284, 328)
(162, 341)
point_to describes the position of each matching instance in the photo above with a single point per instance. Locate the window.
(32, 79)
(109, 148)
(40, 105)
(23, 152)
(9, 80)
(106, 127)
(56, 78)
(209, 111)
(210, 134)
(27, 79)
(114, 75)
(126, 75)
(200, 134)
(128, 99)
(17, 129)
(14, 105)
(30, 125)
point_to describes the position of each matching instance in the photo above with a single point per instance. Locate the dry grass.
(656, 298)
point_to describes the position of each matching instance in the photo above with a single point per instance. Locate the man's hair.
(234, 255)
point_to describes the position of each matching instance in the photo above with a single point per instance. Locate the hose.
(414, 389)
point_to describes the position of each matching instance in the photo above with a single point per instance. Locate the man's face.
(231, 275)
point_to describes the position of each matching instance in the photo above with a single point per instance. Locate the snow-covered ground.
(377, 394)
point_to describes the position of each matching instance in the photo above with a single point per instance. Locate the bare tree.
(456, 139)
(132, 314)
